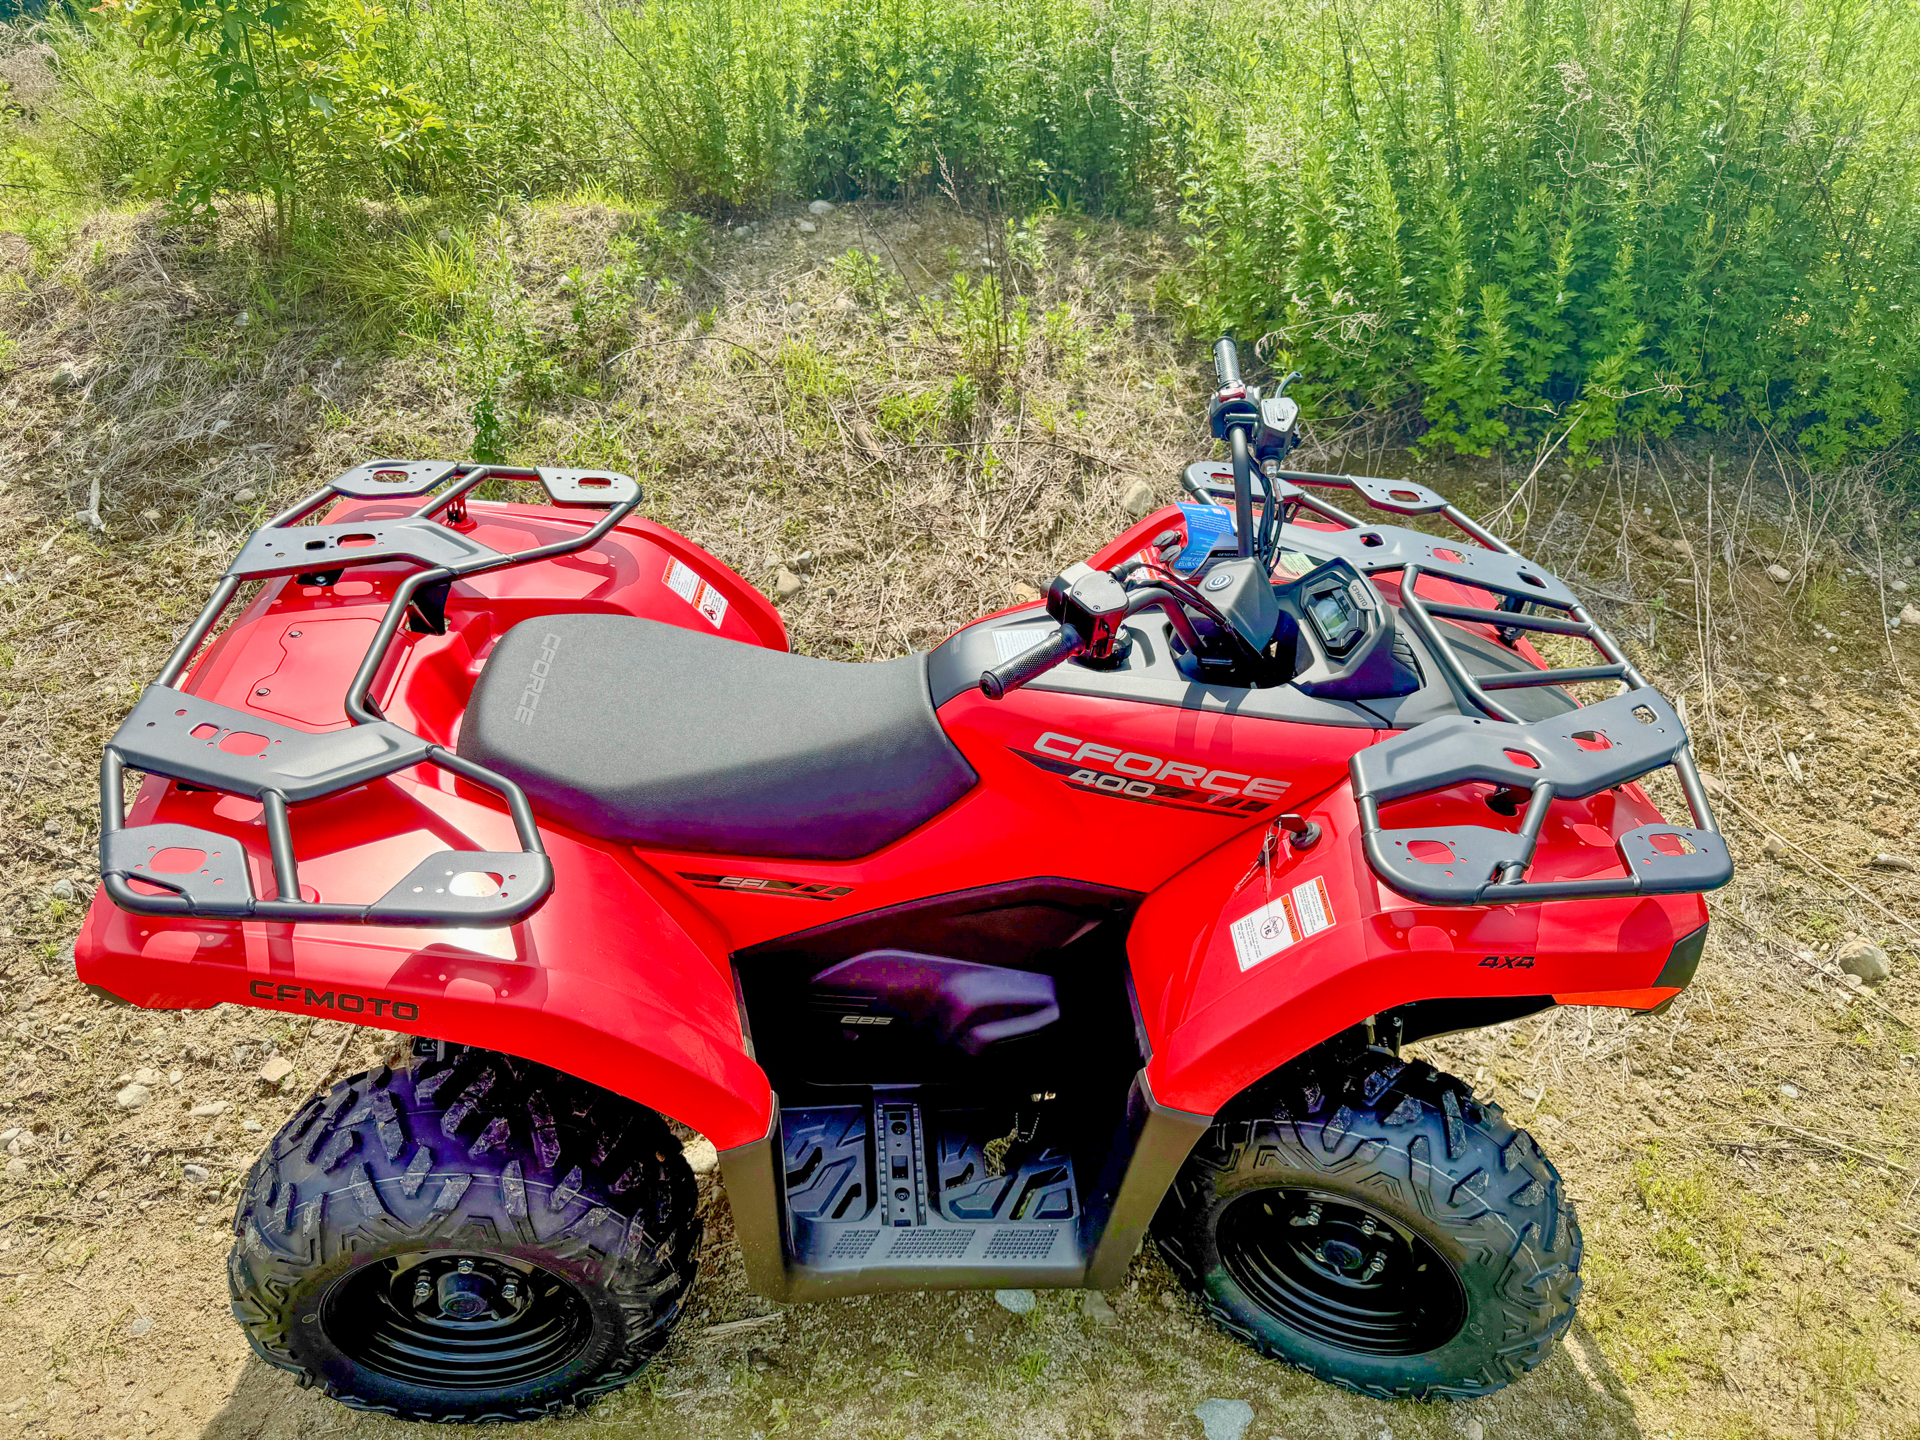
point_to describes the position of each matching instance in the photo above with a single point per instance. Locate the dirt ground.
(1744, 1165)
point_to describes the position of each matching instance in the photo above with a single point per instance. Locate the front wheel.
(1371, 1222)
(476, 1239)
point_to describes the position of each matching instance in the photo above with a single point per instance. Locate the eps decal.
(769, 886)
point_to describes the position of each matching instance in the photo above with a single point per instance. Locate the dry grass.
(1744, 1279)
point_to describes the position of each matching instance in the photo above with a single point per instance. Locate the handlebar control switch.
(1093, 604)
(1278, 431)
(1235, 407)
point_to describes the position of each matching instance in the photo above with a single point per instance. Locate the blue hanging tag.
(1209, 528)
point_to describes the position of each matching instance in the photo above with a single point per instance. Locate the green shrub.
(289, 100)
(1609, 216)
(1508, 225)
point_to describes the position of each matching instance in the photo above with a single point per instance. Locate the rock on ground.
(276, 1070)
(1224, 1420)
(1097, 1309)
(821, 207)
(701, 1155)
(1019, 1302)
(1139, 499)
(132, 1097)
(1780, 574)
(1864, 959)
(786, 584)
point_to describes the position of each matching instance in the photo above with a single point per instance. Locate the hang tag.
(1209, 528)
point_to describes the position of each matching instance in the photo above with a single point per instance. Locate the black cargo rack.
(183, 738)
(1572, 756)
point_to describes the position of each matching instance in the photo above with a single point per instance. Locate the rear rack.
(185, 738)
(1590, 749)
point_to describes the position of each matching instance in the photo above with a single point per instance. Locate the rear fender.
(1219, 1018)
(617, 979)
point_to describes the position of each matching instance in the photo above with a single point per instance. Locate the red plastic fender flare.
(1217, 1024)
(618, 979)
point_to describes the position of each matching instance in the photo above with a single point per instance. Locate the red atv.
(1108, 914)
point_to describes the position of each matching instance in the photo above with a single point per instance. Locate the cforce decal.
(345, 1001)
(770, 886)
(1154, 780)
(537, 680)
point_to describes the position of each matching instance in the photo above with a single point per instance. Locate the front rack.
(184, 738)
(1572, 756)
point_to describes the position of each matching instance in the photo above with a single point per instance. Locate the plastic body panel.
(1216, 1027)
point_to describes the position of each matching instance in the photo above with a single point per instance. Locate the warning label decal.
(1273, 927)
(684, 581)
(1264, 932)
(1312, 908)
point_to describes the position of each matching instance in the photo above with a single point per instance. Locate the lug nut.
(1376, 1266)
(466, 1268)
(1367, 1225)
(1311, 1218)
(509, 1290)
(423, 1291)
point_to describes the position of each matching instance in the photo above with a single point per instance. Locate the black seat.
(657, 736)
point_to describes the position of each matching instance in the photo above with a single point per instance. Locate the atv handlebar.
(1043, 656)
(1227, 362)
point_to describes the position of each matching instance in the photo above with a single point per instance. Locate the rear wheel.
(1371, 1222)
(476, 1239)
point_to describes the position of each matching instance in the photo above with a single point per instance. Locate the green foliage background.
(1499, 224)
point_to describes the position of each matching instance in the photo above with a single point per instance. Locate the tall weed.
(1511, 224)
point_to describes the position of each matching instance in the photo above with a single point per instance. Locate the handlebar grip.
(1017, 672)
(1227, 362)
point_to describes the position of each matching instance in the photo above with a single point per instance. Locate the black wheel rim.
(457, 1322)
(1336, 1270)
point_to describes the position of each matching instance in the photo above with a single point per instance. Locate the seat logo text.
(537, 682)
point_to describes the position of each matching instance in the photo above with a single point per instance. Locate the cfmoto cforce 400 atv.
(1110, 914)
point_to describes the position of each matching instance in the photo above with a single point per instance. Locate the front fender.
(1218, 1018)
(617, 979)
